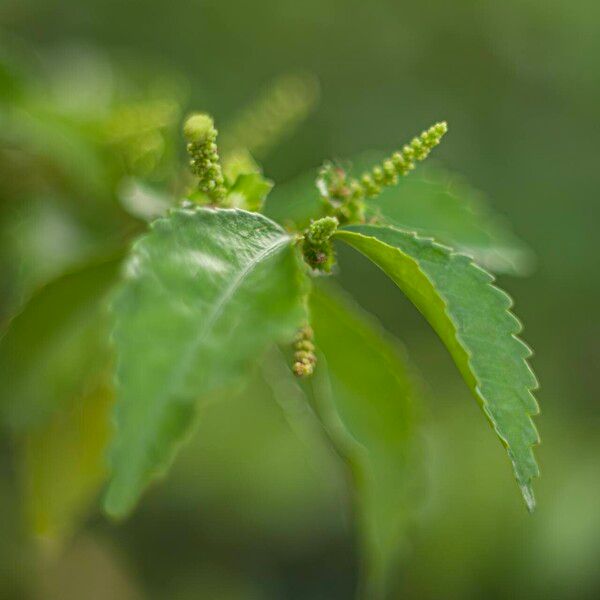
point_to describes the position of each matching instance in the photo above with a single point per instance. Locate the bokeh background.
(250, 511)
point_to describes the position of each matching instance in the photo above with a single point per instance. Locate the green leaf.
(142, 200)
(249, 191)
(473, 319)
(55, 346)
(52, 137)
(64, 463)
(295, 202)
(437, 204)
(239, 162)
(204, 293)
(368, 408)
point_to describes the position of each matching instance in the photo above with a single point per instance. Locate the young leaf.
(204, 293)
(473, 319)
(239, 162)
(367, 407)
(64, 463)
(435, 203)
(55, 345)
(249, 191)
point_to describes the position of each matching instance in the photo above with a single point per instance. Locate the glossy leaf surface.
(204, 293)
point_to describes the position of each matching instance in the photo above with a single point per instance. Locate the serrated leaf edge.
(525, 486)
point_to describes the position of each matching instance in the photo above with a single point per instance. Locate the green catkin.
(344, 197)
(304, 352)
(399, 164)
(201, 135)
(274, 115)
(317, 248)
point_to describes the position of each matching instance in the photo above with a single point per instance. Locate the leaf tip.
(528, 496)
(114, 505)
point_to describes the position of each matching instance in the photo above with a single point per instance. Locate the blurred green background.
(250, 511)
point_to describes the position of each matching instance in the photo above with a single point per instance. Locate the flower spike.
(344, 197)
(200, 132)
(400, 163)
(304, 353)
(272, 116)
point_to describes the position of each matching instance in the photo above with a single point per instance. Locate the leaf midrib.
(184, 365)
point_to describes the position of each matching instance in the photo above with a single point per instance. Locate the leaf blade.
(249, 191)
(55, 345)
(473, 319)
(371, 416)
(194, 294)
(64, 463)
(294, 202)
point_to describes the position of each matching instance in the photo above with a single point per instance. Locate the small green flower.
(337, 195)
(317, 248)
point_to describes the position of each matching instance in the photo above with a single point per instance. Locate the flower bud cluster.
(400, 163)
(317, 248)
(201, 135)
(304, 353)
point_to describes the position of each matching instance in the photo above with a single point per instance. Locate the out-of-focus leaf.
(435, 203)
(369, 412)
(249, 191)
(295, 202)
(12, 75)
(60, 143)
(473, 319)
(141, 200)
(259, 127)
(55, 345)
(239, 162)
(88, 567)
(40, 241)
(204, 293)
(140, 133)
(65, 464)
